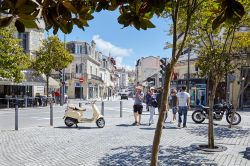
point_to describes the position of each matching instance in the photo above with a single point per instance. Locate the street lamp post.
(62, 88)
(188, 76)
(241, 95)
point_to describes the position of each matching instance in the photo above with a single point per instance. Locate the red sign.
(81, 80)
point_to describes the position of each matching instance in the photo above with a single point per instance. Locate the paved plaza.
(121, 144)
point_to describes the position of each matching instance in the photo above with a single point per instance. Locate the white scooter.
(74, 115)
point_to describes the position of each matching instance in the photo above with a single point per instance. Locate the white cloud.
(120, 65)
(118, 62)
(108, 48)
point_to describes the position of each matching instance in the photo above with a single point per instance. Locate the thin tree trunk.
(212, 86)
(162, 113)
(210, 123)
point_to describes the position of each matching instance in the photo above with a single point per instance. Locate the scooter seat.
(80, 108)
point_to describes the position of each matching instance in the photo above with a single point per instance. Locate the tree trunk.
(212, 87)
(210, 123)
(158, 131)
(47, 85)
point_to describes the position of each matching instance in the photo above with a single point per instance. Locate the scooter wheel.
(69, 122)
(100, 122)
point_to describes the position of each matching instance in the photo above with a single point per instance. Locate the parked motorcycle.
(201, 113)
(74, 115)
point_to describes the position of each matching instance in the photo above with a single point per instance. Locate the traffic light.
(163, 65)
(60, 75)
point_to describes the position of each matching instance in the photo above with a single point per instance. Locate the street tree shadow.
(220, 131)
(130, 125)
(141, 156)
(164, 128)
(73, 127)
(124, 125)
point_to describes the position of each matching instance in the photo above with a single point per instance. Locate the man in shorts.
(138, 99)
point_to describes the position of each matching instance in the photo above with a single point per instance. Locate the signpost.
(81, 79)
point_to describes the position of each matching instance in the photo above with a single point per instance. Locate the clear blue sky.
(125, 44)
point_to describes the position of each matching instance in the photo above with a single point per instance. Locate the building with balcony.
(109, 78)
(122, 78)
(84, 77)
(146, 67)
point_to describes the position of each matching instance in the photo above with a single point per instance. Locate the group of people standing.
(180, 102)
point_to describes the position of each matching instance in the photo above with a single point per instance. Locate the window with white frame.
(78, 49)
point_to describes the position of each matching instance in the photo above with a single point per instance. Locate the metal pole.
(61, 96)
(102, 108)
(188, 76)
(120, 109)
(16, 115)
(63, 86)
(51, 113)
(81, 91)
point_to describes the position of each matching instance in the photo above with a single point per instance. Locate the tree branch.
(185, 32)
(174, 18)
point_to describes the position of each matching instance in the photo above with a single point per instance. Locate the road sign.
(81, 79)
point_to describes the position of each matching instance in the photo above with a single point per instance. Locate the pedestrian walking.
(147, 97)
(138, 99)
(152, 104)
(57, 96)
(183, 99)
(174, 104)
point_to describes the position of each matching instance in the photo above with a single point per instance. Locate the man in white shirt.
(183, 100)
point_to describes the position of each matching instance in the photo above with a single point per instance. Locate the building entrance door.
(78, 91)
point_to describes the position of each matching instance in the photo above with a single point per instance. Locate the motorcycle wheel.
(198, 116)
(69, 122)
(236, 118)
(100, 122)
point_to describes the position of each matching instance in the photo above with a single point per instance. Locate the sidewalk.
(121, 144)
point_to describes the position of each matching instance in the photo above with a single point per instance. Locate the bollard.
(51, 113)
(120, 109)
(16, 115)
(80, 104)
(8, 103)
(102, 108)
(26, 101)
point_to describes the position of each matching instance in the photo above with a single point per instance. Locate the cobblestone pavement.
(121, 144)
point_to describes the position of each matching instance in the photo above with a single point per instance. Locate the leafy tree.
(214, 48)
(51, 56)
(12, 58)
(181, 14)
(62, 15)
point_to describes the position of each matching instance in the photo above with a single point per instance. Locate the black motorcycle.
(201, 113)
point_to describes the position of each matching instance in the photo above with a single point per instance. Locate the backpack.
(154, 103)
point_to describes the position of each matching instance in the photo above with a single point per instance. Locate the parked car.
(124, 96)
